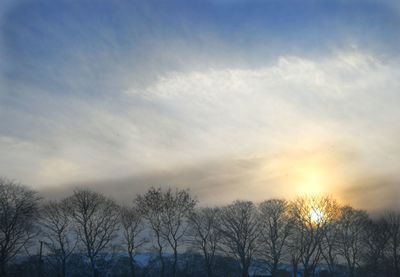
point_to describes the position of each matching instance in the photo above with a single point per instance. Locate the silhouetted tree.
(392, 221)
(375, 243)
(352, 226)
(239, 230)
(275, 228)
(132, 226)
(204, 235)
(294, 248)
(330, 245)
(311, 215)
(167, 212)
(96, 221)
(309, 232)
(151, 206)
(178, 205)
(56, 225)
(18, 213)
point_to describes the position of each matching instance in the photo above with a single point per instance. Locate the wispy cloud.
(236, 96)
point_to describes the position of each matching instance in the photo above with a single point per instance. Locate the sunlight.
(316, 215)
(311, 181)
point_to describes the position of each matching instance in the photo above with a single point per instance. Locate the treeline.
(89, 234)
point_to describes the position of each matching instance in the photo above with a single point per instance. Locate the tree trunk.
(351, 272)
(274, 269)
(95, 272)
(395, 258)
(305, 270)
(207, 263)
(331, 263)
(308, 269)
(132, 264)
(294, 265)
(209, 271)
(3, 270)
(245, 271)
(63, 268)
(175, 262)
(162, 269)
(351, 268)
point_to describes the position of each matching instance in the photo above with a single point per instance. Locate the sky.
(232, 99)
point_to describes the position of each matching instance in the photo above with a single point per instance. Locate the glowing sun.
(316, 216)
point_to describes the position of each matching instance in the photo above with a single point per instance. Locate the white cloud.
(190, 117)
(243, 111)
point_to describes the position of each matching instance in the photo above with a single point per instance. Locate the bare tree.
(18, 213)
(275, 226)
(392, 221)
(178, 206)
(133, 226)
(167, 212)
(239, 230)
(56, 227)
(375, 245)
(311, 215)
(352, 226)
(96, 220)
(151, 206)
(295, 249)
(205, 236)
(330, 245)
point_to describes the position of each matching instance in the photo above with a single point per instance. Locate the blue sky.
(244, 99)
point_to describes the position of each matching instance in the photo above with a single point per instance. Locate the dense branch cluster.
(164, 232)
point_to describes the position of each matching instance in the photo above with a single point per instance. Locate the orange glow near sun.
(304, 170)
(311, 180)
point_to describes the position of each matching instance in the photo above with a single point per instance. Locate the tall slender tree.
(151, 206)
(178, 205)
(275, 228)
(96, 222)
(133, 227)
(239, 229)
(352, 226)
(168, 213)
(56, 225)
(204, 235)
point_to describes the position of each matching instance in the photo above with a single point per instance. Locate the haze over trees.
(163, 232)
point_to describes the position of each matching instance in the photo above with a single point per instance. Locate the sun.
(316, 215)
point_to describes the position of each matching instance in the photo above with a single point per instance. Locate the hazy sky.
(232, 99)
